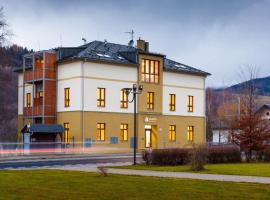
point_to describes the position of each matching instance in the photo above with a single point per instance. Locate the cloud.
(216, 36)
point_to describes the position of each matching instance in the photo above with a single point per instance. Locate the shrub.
(198, 157)
(266, 154)
(176, 156)
(179, 156)
(224, 154)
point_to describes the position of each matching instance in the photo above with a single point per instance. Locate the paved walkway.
(186, 175)
(182, 175)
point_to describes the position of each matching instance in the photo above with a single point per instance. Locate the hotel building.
(75, 94)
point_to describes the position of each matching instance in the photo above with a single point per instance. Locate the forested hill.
(10, 57)
(262, 86)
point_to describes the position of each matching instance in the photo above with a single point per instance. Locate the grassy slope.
(247, 169)
(53, 184)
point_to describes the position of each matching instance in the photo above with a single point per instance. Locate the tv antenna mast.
(131, 42)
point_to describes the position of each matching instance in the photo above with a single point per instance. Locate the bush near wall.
(224, 154)
(175, 156)
(179, 156)
(266, 154)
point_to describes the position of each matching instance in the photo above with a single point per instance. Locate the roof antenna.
(131, 42)
(84, 40)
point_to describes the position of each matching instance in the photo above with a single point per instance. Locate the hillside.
(10, 57)
(262, 86)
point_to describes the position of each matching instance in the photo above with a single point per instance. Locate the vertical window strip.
(124, 132)
(100, 131)
(67, 97)
(123, 99)
(172, 133)
(190, 133)
(66, 133)
(28, 100)
(172, 102)
(190, 103)
(101, 94)
(150, 100)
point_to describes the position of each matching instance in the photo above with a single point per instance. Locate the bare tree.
(4, 32)
(249, 130)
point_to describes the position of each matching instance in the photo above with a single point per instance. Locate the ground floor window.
(124, 132)
(66, 133)
(100, 131)
(190, 133)
(172, 133)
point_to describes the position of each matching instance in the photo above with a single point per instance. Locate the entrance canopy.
(43, 128)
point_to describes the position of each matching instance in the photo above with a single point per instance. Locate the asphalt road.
(72, 160)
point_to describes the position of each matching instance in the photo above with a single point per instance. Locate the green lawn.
(247, 169)
(68, 185)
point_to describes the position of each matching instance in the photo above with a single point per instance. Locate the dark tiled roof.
(170, 65)
(117, 53)
(106, 51)
(44, 128)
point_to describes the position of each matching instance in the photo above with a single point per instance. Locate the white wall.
(111, 77)
(69, 70)
(183, 80)
(75, 94)
(184, 85)
(114, 78)
(28, 89)
(181, 102)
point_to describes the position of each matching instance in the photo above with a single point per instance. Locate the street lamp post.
(136, 89)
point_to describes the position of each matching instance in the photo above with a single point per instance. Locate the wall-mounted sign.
(150, 119)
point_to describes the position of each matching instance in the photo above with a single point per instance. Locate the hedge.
(179, 156)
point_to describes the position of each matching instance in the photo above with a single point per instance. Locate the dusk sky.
(217, 36)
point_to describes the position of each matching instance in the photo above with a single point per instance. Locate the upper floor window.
(67, 97)
(123, 99)
(66, 133)
(40, 94)
(150, 71)
(100, 131)
(172, 102)
(190, 133)
(124, 132)
(101, 97)
(28, 100)
(172, 133)
(150, 100)
(190, 103)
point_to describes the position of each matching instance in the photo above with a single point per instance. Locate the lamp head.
(140, 88)
(127, 90)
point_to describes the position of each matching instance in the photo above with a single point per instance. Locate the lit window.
(190, 103)
(150, 71)
(40, 94)
(66, 133)
(28, 100)
(124, 132)
(172, 133)
(150, 100)
(101, 97)
(190, 133)
(100, 131)
(123, 99)
(172, 102)
(67, 97)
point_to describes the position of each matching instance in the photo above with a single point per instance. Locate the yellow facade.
(159, 126)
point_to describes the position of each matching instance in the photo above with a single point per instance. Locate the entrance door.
(148, 138)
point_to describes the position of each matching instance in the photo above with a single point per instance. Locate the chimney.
(142, 45)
